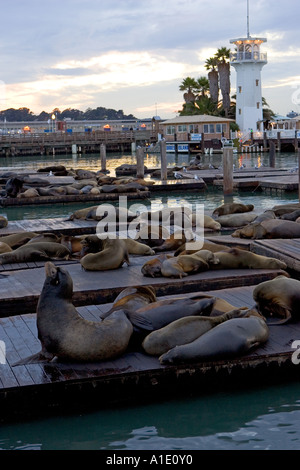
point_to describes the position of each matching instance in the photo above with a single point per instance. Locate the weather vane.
(248, 23)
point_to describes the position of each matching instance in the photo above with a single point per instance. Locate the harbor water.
(260, 418)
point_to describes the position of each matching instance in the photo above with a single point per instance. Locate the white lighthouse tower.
(248, 61)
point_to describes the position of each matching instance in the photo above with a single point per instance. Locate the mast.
(248, 20)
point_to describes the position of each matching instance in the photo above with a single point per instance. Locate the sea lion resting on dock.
(152, 268)
(184, 265)
(94, 244)
(64, 334)
(35, 252)
(207, 245)
(279, 297)
(18, 239)
(184, 331)
(271, 229)
(232, 338)
(113, 256)
(236, 220)
(132, 298)
(242, 259)
(208, 222)
(4, 248)
(232, 208)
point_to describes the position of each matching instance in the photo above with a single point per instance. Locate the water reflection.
(265, 418)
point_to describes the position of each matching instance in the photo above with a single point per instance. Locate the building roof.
(200, 118)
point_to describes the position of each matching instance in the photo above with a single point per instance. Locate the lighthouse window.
(240, 89)
(257, 82)
(258, 105)
(240, 111)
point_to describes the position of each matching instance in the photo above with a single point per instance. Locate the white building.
(248, 62)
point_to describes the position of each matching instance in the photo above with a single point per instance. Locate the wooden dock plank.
(283, 249)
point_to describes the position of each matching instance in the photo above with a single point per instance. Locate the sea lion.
(35, 252)
(45, 237)
(237, 220)
(158, 314)
(232, 338)
(13, 186)
(233, 208)
(4, 248)
(152, 235)
(183, 265)
(277, 228)
(64, 334)
(132, 298)
(285, 209)
(82, 213)
(174, 241)
(18, 239)
(74, 244)
(28, 194)
(3, 221)
(254, 227)
(113, 255)
(184, 331)
(120, 214)
(207, 245)
(291, 215)
(136, 248)
(152, 268)
(242, 259)
(53, 168)
(279, 297)
(208, 223)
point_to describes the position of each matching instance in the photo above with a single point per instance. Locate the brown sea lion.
(233, 208)
(184, 331)
(29, 193)
(81, 213)
(45, 237)
(242, 259)
(207, 245)
(74, 244)
(18, 239)
(183, 265)
(208, 222)
(35, 252)
(152, 235)
(232, 338)
(174, 241)
(285, 209)
(293, 216)
(279, 297)
(113, 256)
(136, 248)
(152, 268)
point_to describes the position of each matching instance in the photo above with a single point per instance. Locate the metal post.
(228, 171)
(163, 155)
(103, 157)
(272, 155)
(140, 167)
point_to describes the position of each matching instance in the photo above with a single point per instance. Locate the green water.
(263, 418)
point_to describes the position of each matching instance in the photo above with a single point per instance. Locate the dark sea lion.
(184, 331)
(285, 209)
(233, 338)
(158, 314)
(53, 168)
(18, 239)
(242, 259)
(64, 334)
(3, 221)
(152, 268)
(120, 214)
(113, 256)
(291, 216)
(90, 244)
(152, 235)
(132, 298)
(233, 208)
(13, 186)
(279, 297)
(35, 252)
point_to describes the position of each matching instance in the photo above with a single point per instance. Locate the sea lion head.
(58, 281)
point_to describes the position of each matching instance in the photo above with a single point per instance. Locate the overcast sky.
(133, 54)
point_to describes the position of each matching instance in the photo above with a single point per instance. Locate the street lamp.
(53, 117)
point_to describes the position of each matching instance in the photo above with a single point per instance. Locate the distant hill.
(24, 114)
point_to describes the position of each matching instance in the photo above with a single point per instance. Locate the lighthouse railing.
(248, 56)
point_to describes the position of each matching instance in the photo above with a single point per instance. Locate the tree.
(213, 78)
(202, 87)
(190, 86)
(223, 55)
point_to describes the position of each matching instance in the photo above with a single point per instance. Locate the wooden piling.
(140, 167)
(103, 157)
(299, 172)
(272, 154)
(163, 155)
(296, 142)
(228, 171)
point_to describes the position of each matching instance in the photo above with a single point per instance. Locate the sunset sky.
(133, 55)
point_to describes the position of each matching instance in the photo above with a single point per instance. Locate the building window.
(182, 128)
(257, 82)
(240, 89)
(220, 128)
(170, 130)
(193, 128)
(240, 111)
(209, 128)
(258, 105)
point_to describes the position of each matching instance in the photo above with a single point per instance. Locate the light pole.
(53, 117)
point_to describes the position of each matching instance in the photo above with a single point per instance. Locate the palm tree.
(202, 86)
(190, 86)
(223, 55)
(213, 78)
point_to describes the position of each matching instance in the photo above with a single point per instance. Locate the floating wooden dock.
(36, 389)
(284, 250)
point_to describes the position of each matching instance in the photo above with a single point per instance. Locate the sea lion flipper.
(35, 359)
